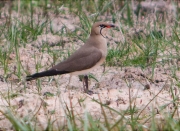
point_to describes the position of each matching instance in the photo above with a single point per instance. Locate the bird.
(92, 54)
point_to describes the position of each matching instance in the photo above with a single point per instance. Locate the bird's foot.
(89, 92)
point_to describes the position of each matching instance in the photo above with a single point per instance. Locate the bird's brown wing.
(82, 59)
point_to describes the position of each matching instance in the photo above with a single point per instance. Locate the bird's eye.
(102, 26)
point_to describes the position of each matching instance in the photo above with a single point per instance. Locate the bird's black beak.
(107, 26)
(110, 26)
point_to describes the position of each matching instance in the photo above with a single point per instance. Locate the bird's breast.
(101, 44)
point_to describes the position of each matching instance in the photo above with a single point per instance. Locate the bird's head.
(100, 28)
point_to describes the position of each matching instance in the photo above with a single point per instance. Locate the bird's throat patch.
(101, 32)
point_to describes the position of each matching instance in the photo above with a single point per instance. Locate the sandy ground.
(117, 88)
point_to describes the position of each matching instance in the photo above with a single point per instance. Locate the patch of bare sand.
(115, 88)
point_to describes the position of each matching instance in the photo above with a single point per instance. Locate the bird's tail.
(45, 73)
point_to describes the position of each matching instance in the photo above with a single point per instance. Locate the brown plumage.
(87, 57)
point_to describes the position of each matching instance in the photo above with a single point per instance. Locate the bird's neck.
(99, 42)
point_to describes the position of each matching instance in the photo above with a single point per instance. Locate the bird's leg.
(85, 85)
(83, 80)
